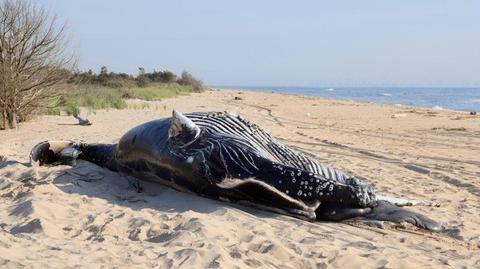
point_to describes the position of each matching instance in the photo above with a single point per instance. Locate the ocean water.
(464, 99)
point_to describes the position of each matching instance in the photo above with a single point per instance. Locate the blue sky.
(284, 43)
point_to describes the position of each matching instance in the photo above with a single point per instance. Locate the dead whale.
(224, 156)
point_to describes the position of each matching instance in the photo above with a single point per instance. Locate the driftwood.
(83, 121)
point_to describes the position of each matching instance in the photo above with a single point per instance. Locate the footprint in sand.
(156, 236)
(134, 228)
(33, 226)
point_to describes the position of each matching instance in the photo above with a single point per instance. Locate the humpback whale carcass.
(223, 156)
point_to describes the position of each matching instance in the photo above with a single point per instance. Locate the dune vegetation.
(111, 90)
(102, 97)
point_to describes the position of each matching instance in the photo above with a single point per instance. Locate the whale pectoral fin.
(387, 211)
(261, 195)
(182, 131)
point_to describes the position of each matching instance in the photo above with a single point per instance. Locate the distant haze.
(310, 43)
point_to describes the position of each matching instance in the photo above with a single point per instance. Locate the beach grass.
(98, 97)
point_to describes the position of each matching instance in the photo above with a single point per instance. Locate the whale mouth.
(386, 211)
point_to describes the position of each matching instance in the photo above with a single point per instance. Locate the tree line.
(143, 79)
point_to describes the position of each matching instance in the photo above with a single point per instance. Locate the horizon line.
(345, 86)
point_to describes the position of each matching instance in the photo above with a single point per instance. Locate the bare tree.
(34, 61)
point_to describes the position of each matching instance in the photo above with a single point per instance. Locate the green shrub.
(72, 109)
(189, 80)
(54, 111)
(115, 102)
(143, 81)
(119, 83)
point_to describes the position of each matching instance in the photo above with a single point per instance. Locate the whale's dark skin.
(223, 156)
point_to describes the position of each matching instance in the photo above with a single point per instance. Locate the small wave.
(437, 107)
(386, 94)
(330, 89)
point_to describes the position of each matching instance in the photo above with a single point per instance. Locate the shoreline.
(353, 100)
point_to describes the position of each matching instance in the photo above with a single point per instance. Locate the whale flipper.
(261, 195)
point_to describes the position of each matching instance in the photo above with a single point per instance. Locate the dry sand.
(90, 217)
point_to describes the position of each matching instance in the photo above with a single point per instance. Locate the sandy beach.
(89, 217)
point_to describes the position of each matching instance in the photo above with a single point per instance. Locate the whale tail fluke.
(67, 153)
(53, 153)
